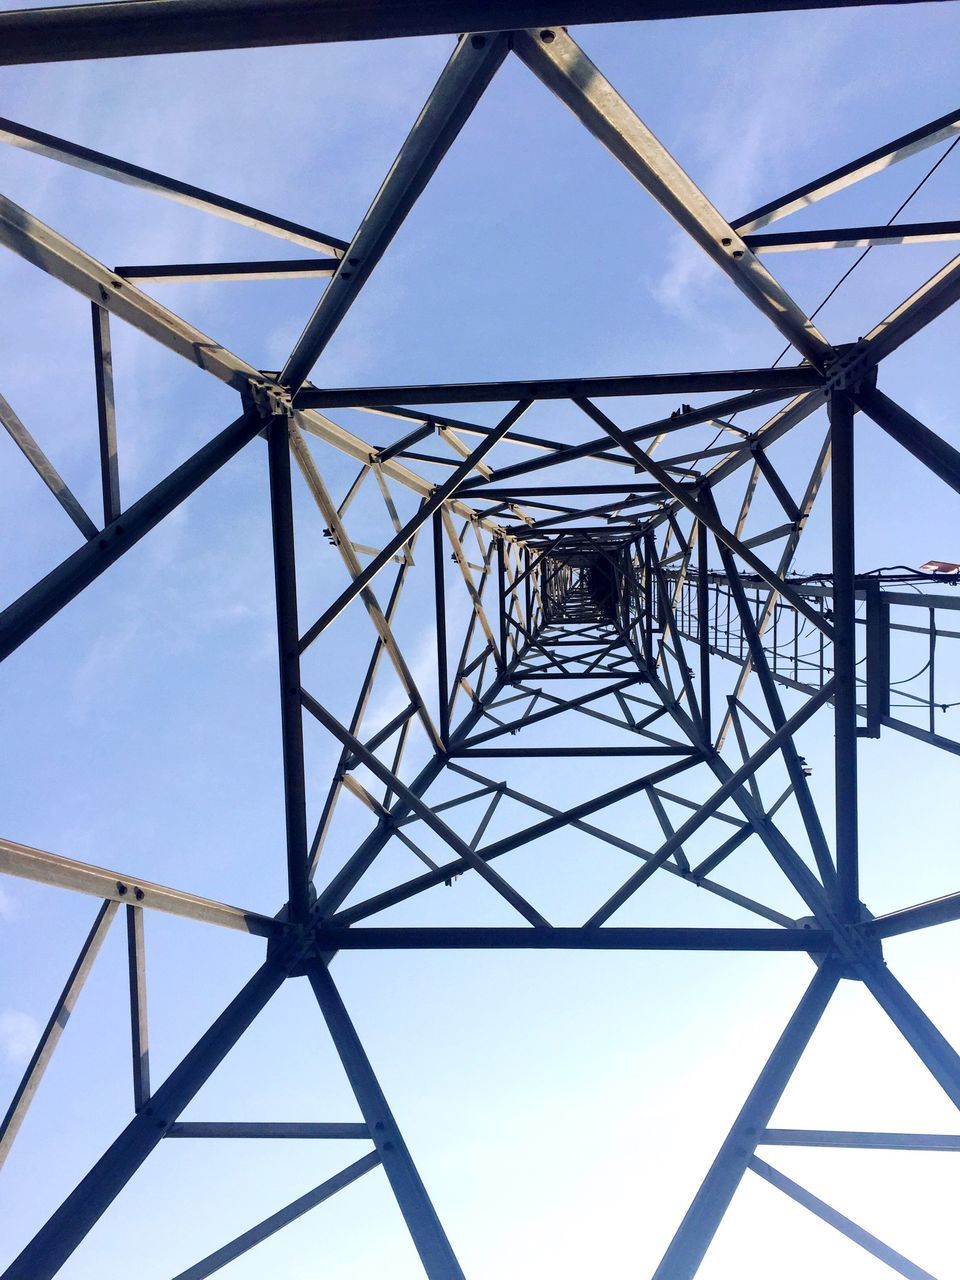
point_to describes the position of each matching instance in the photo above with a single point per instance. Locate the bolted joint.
(293, 949)
(269, 399)
(851, 946)
(850, 366)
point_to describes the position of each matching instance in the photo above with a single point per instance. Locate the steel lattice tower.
(646, 604)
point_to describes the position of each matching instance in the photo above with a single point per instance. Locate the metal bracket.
(850, 366)
(269, 399)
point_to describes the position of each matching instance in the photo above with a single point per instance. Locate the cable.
(889, 223)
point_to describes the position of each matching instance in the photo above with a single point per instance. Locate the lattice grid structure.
(619, 606)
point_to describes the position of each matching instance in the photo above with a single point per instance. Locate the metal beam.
(282, 1218)
(65, 873)
(271, 1129)
(45, 469)
(134, 175)
(54, 1028)
(692, 1240)
(55, 1242)
(853, 171)
(896, 1261)
(41, 602)
(563, 67)
(855, 237)
(574, 939)
(785, 380)
(207, 272)
(134, 27)
(429, 1238)
(462, 82)
(925, 445)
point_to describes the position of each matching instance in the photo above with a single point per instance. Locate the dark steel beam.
(54, 1028)
(855, 237)
(921, 916)
(282, 1218)
(600, 446)
(928, 1043)
(861, 1140)
(785, 380)
(265, 1129)
(843, 533)
(925, 445)
(139, 1039)
(45, 469)
(105, 166)
(134, 27)
(437, 498)
(826, 1213)
(42, 601)
(204, 272)
(429, 1238)
(288, 638)
(460, 87)
(55, 1242)
(565, 69)
(106, 413)
(692, 1240)
(423, 811)
(873, 162)
(575, 939)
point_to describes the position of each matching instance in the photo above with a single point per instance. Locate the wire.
(889, 223)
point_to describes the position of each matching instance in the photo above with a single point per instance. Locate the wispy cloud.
(9, 905)
(739, 157)
(19, 1033)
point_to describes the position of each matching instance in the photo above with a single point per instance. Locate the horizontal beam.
(182, 26)
(857, 1139)
(855, 237)
(575, 939)
(206, 272)
(787, 380)
(64, 873)
(521, 753)
(264, 1129)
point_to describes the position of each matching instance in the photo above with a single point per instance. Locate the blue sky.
(562, 1109)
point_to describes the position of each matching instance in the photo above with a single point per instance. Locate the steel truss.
(607, 609)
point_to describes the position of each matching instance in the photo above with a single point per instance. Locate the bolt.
(138, 894)
(548, 37)
(121, 888)
(478, 42)
(738, 253)
(726, 242)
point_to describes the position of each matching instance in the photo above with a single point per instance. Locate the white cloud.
(19, 1033)
(9, 906)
